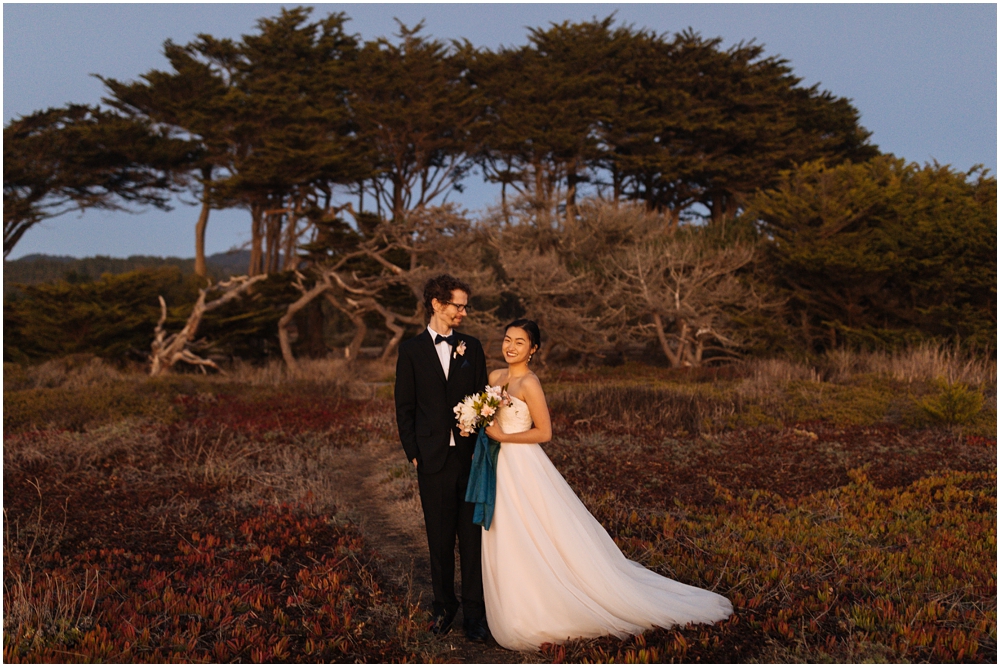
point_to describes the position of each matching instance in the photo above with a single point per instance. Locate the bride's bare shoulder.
(530, 382)
(497, 375)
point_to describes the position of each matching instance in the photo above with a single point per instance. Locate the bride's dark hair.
(531, 327)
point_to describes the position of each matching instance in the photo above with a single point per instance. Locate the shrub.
(69, 408)
(882, 253)
(114, 317)
(75, 371)
(866, 403)
(110, 318)
(954, 404)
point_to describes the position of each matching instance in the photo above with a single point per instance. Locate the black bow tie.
(447, 339)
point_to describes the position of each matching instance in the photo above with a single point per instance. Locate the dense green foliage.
(884, 252)
(114, 317)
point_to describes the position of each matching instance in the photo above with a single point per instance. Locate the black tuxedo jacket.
(425, 400)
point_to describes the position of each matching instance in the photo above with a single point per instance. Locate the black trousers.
(447, 516)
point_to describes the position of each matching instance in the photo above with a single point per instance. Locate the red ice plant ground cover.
(277, 586)
(124, 545)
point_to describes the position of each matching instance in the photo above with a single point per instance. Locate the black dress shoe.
(441, 624)
(477, 631)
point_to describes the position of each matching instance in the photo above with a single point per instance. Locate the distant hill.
(37, 268)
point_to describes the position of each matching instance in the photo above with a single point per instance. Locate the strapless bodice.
(514, 418)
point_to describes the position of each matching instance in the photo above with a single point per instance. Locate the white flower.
(480, 409)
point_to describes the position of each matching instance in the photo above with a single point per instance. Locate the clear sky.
(924, 77)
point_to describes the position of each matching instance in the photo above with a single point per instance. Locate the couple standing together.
(546, 570)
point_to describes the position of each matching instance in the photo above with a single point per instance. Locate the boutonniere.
(459, 349)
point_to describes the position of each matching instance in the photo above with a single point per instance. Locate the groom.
(434, 372)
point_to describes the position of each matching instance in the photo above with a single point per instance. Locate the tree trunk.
(683, 345)
(256, 240)
(397, 198)
(289, 263)
(283, 337)
(539, 185)
(200, 266)
(699, 350)
(397, 336)
(273, 242)
(571, 181)
(309, 322)
(717, 210)
(503, 201)
(360, 328)
(673, 357)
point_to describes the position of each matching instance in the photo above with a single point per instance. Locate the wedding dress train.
(550, 570)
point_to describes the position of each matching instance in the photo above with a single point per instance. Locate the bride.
(550, 570)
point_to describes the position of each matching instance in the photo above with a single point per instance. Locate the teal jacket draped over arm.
(482, 489)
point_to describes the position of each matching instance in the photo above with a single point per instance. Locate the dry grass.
(49, 608)
(86, 371)
(329, 371)
(768, 373)
(923, 363)
(75, 372)
(929, 362)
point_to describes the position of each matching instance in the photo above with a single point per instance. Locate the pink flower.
(487, 411)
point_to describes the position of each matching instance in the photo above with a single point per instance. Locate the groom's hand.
(414, 462)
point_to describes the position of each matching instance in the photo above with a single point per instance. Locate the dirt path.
(377, 489)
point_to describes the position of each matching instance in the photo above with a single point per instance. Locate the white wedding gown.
(550, 570)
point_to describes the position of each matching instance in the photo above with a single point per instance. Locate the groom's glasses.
(462, 307)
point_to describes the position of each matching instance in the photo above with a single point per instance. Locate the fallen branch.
(168, 350)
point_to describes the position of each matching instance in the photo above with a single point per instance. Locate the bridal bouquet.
(479, 410)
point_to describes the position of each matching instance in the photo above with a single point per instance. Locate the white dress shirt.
(444, 354)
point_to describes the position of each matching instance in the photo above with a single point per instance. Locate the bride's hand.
(494, 431)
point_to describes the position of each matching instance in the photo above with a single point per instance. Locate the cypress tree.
(417, 116)
(79, 157)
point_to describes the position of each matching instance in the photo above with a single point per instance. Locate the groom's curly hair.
(440, 288)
